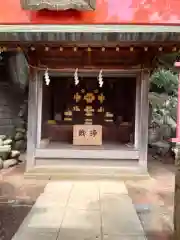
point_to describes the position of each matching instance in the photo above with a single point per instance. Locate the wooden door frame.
(35, 116)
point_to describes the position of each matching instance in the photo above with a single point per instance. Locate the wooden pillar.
(32, 121)
(39, 108)
(144, 117)
(137, 112)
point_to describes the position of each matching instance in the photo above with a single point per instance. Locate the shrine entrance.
(91, 102)
(99, 111)
(90, 114)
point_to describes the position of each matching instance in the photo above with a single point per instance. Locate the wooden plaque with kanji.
(80, 5)
(87, 135)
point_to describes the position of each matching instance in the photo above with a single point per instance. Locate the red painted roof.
(107, 12)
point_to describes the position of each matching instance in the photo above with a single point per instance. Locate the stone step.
(86, 169)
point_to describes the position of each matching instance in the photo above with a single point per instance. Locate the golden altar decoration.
(88, 121)
(109, 117)
(51, 122)
(76, 109)
(100, 110)
(77, 97)
(89, 97)
(101, 98)
(67, 119)
(89, 111)
(96, 91)
(68, 115)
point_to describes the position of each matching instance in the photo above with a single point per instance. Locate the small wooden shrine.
(68, 49)
(88, 99)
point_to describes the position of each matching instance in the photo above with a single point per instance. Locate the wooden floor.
(106, 146)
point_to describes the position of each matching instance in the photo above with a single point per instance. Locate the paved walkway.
(84, 210)
(152, 199)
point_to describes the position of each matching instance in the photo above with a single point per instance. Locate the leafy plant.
(165, 81)
(163, 99)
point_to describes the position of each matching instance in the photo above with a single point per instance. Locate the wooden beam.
(63, 67)
(32, 122)
(69, 72)
(144, 117)
(96, 44)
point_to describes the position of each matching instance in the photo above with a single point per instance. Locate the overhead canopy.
(80, 5)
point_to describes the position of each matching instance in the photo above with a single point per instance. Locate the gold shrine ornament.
(96, 91)
(101, 98)
(88, 114)
(89, 109)
(89, 97)
(68, 113)
(108, 120)
(77, 97)
(67, 119)
(76, 109)
(51, 122)
(100, 110)
(88, 122)
(108, 114)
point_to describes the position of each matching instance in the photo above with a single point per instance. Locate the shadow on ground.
(17, 196)
(12, 210)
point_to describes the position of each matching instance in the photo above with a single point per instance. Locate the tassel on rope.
(46, 76)
(76, 79)
(100, 79)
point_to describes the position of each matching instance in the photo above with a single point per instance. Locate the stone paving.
(85, 210)
(152, 199)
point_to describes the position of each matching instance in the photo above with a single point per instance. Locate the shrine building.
(89, 75)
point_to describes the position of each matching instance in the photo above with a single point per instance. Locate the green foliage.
(167, 61)
(165, 80)
(164, 90)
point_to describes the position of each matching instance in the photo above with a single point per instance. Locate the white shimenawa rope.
(46, 76)
(76, 79)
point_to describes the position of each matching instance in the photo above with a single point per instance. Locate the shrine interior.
(112, 106)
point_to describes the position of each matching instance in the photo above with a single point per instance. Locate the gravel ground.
(153, 200)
